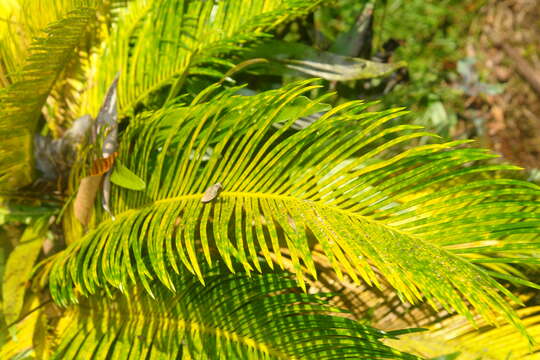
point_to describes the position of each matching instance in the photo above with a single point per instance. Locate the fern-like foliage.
(232, 317)
(456, 336)
(292, 189)
(22, 101)
(19, 27)
(156, 44)
(380, 306)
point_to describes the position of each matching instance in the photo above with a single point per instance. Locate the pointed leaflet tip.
(125, 178)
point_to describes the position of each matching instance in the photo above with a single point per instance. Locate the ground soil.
(512, 126)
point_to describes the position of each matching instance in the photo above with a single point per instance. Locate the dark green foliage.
(232, 317)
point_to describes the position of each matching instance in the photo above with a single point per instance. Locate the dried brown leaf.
(84, 201)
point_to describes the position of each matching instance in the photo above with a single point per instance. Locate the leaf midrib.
(285, 198)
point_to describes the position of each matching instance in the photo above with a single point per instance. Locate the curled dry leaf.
(85, 198)
(106, 126)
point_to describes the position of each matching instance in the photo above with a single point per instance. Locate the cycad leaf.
(124, 177)
(20, 26)
(381, 306)
(232, 317)
(156, 43)
(21, 103)
(19, 345)
(326, 65)
(19, 268)
(456, 335)
(297, 109)
(291, 189)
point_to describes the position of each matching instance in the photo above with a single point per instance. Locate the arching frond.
(379, 306)
(456, 335)
(232, 317)
(19, 27)
(294, 58)
(18, 268)
(157, 43)
(22, 101)
(293, 189)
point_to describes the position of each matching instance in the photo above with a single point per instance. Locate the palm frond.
(294, 189)
(292, 58)
(10, 53)
(19, 337)
(456, 335)
(19, 27)
(232, 317)
(379, 306)
(22, 101)
(157, 43)
(18, 268)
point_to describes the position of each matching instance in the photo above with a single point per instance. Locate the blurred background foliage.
(457, 81)
(429, 36)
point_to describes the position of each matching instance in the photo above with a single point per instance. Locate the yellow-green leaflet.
(124, 177)
(300, 107)
(19, 266)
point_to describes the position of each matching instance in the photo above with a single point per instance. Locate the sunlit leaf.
(19, 268)
(281, 189)
(124, 177)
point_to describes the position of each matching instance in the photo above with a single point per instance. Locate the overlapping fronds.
(232, 317)
(447, 335)
(456, 336)
(380, 306)
(19, 26)
(21, 102)
(294, 189)
(9, 53)
(155, 44)
(50, 12)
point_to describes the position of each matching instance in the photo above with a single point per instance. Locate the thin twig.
(22, 317)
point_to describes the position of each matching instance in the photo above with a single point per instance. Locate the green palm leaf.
(294, 189)
(232, 317)
(154, 65)
(22, 101)
(455, 335)
(19, 27)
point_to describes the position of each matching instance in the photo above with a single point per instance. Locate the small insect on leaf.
(211, 193)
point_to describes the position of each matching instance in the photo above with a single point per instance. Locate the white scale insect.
(212, 192)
